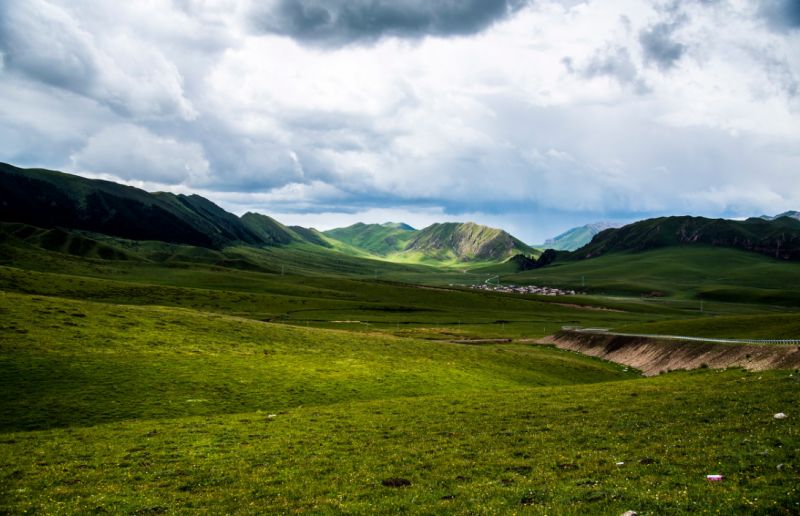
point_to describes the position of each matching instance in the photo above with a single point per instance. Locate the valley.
(276, 368)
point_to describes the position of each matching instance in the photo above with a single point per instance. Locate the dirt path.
(655, 355)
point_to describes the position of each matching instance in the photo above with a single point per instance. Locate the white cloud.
(556, 109)
(47, 43)
(129, 152)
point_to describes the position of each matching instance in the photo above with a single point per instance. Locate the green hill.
(50, 199)
(778, 238)
(268, 229)
(465, 242)
(377, 239)
(694, 271)
(578, 237)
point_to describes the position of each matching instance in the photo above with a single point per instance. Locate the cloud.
(132, 153)
(781, 14)
(617, 64)
(659, 45)
(279, 113)
(46, 43)
(341, 22)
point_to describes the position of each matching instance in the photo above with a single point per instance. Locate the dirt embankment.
(653, 356)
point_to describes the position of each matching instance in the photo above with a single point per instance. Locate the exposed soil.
(654, 356)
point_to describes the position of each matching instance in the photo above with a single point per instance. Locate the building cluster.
(524, 289)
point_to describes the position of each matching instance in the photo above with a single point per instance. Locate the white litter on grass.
(713, 478)
(620, 463)
(270, 416)
(630, 513)
(780, 415)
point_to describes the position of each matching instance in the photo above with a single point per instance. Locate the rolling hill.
(50, 199)
(377, 239)
(55, 200)
(448, 242)
(778, 238)
(465, 242)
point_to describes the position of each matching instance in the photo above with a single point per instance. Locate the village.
(524, 289)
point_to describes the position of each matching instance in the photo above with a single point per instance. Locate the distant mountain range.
(578, 237)
(778, 238)
(790, 214)
(55, 200)
(51, 199)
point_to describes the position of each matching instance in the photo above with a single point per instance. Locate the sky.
(529, 115)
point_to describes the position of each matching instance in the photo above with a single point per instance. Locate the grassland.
(763, 326)
(679, 272)
(171, 379)
(140, 408)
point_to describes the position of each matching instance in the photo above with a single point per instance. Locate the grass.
(684, 272)
(542, 450)
(183, 380)
(772, 326)
(68, 363)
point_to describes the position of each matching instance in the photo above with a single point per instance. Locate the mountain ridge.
(779, 238)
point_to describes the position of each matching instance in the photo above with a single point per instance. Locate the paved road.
(604, 331)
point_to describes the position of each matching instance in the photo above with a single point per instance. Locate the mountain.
(50, 199)
(311, 236)
(443, 242)
(578, 237)
(268, 229)
(779, 238)
(465, 242)
(377, 239)
(791, 214)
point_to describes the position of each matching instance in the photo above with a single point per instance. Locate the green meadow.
(171, 379)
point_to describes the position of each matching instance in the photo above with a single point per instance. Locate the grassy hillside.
(778, 238)
(50, 199)
(92, 363)
(145, 409)
(464, 242)
(763, 326)
(269, 230)
(377, 239)
(698, 272)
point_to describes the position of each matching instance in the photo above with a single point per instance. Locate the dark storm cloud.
(341, 22)
(781, 14)
(659, 46)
